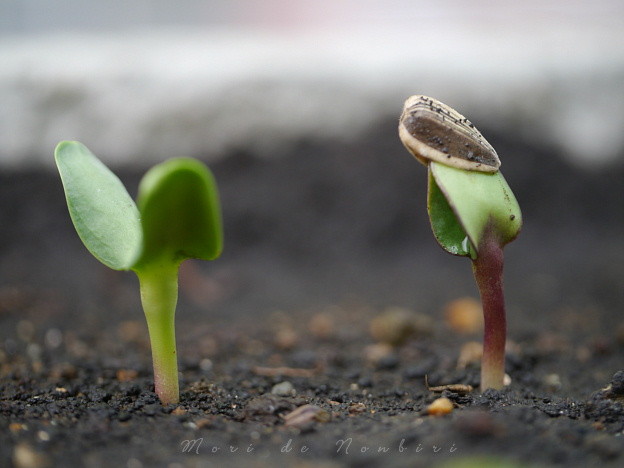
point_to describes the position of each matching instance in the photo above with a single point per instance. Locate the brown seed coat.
(433, 131)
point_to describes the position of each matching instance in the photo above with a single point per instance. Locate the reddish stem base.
(488, 273)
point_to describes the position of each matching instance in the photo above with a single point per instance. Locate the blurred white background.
(140, 80)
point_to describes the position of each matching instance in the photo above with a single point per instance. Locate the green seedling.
(472, 210)
(177, 216)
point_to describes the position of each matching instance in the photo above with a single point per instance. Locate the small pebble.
(356, 408)
(470, 353)
(464, 316)
(376, 353)
(64, 370)
(440, 407)
(33, 351)
(204, 422)
(201, 386)
(284, 389)
(126, 375)
(305, 415)
(395, 325)
(17, 427)
(321, 325)
(286, 338)
(24, 456)
(205, 365)
(53, 338)
(552, 382)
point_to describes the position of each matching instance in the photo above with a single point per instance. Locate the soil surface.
(332, 301)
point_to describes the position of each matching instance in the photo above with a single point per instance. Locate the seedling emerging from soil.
(177, 216)
(472, 210)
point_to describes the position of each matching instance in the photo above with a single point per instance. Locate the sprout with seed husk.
(177, 216)
(472, 210)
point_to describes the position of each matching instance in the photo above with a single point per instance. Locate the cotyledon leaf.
(463, 203)
(446, 228)
(104, 215)
(180, 213)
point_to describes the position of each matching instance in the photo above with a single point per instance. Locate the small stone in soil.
(440, 407)
(126, 375)
(283, 389)
(306, 414)
(470, 353)
(17, 427)
(267, 405)
(552, 382)
(24, 456)
(205, 365)
(380, 354)
(464, 316)
(64, 370)
(395, 325)
(321, 325)
(286, 338)
(356, 408)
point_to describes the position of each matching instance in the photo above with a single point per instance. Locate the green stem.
(488, 272)
(159, 296)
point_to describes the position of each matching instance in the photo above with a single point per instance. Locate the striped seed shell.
(433, 131)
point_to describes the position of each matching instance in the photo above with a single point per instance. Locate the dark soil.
(318, 243)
